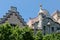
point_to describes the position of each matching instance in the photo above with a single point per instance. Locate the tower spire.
(40, 6)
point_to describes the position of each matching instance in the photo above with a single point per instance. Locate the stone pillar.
(40, 22)
(35, 27)
(55, 29)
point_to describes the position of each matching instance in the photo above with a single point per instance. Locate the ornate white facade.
(45, 22)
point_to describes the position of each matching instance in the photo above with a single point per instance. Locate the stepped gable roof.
(56, 12)
(43, 11)
(10, 12)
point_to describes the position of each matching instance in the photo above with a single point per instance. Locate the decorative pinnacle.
(13, 8)
(40, 6)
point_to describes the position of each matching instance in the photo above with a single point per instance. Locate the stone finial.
(40, 9)
(40, 6)
(30, 18)
(58, 11)
(13, 8)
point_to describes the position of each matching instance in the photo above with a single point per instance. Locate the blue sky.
(29, 8)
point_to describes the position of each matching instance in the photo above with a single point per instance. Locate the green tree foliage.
(8, 32)
(47, 37)
(27, 33)
(54, 36)
(57, 36)
(39, 35)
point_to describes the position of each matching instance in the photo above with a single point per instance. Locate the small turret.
(43, 12)
(41, 15)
